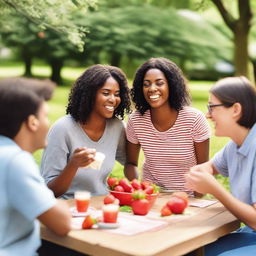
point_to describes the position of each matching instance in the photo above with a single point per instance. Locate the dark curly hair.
(83, 93)
(179, 95)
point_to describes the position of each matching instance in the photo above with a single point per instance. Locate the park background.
(208, 39)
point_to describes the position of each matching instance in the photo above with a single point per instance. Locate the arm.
(132, 156)
(202, 151)
(57, 218)
(201, 180)
(80, 158)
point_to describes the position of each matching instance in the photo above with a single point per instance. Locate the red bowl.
(125, 198)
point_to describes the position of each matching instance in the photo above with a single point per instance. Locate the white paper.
(202, 203)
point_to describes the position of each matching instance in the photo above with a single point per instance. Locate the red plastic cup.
(110, 213)
(82, 199)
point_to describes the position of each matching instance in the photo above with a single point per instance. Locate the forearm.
(244, 212)
(61, 184)
(131, 171)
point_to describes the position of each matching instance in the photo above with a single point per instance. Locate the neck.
(239, 134)
(95, 123)
(163, 118)
(24, 141)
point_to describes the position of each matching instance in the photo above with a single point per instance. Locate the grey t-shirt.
(65, 136)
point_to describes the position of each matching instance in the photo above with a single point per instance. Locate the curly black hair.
(83, 93)
(179, 95)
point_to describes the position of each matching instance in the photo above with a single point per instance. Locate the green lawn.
(198, 89)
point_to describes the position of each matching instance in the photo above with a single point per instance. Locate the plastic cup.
(110, 213)
(99, 158)
(82, 199)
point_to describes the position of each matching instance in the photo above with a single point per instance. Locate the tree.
(56, 15)
(131, 35)
(240, 28)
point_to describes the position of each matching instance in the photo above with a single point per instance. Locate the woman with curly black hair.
(173, 136)
(98, 99)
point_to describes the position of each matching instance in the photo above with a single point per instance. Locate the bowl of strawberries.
(128, 191)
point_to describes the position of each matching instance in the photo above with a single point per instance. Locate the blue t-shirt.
(23, 197)
(239, 164)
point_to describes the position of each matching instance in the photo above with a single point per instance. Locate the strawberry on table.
(165, 211)
(140, 205)
(182, 195)
(176, 205)
(88, 222)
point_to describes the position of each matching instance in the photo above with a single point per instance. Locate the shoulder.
(65, 123)
(22, 164)
(115, 124)
(137, 116)
(191, 113)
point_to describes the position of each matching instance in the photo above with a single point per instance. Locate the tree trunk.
(28, 64)
(241, 56)
(115, 59)
(56, 66)
(254, 68)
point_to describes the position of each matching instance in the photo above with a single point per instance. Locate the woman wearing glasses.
(232, 108)
(173, 136)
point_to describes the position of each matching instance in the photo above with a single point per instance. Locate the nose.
(111, 98)
(153, 87)
(208, 114)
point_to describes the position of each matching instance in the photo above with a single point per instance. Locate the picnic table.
(151, 234)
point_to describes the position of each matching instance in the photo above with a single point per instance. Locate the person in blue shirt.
(232, 108)
(24, 197)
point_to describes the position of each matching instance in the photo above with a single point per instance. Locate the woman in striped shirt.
(173, 136)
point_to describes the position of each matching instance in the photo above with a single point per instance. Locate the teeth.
(111, 108)
(154, 97)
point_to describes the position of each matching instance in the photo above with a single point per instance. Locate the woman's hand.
(201, 180)
(82, 157)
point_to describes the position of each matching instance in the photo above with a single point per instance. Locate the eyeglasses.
(210, 106)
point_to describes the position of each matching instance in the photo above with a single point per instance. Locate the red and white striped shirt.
(169, 154)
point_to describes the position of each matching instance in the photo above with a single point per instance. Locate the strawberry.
(165, 211)
(176, 205)
(109, 199)
(88, 222)
(145, 184)
(126, 185)
(149, 190)
(140, 205)
(136, 184)
(119, 188)
(182, 195)
(112, 182)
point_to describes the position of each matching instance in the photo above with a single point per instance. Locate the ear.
(32, 123)
(237, 110)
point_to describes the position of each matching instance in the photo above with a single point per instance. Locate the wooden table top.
(177, 238)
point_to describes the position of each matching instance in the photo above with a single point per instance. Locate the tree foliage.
(53, 14)
(158, 32)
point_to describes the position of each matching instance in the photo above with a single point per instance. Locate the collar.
(248, 142)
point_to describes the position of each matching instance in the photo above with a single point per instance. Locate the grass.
(198, 89)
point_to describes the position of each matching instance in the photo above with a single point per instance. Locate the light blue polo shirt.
(23, 197)
(239, 164)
